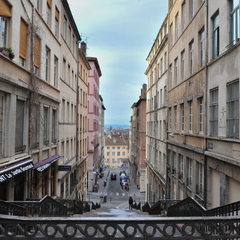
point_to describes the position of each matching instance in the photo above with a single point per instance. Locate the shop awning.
(12, 170)
(41, 166)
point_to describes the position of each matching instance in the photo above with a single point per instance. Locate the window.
(176, 72)
(67, 112)
(113, 160)
(69, 36)
(64, 69)
(165, 61)
(48, 12)
(113, 147)
(45, 126)
(214, 112)
(47, 66)
(190, 172)
(54, 125)
(234, 20)
(215, 36)
(55, 77)
(64, 27)
(118, 153)
(68, 74)
(67, 149)
(175, 117)
(171, 34)
(200, 100)
(182, 117)
(56, 22)
(233, 109)
(183, 65)
(123, 153)
(170, 76)
(165, 95)
(108, 153)
(2, 114)
(190, 116)
(73, 43)
(113, 153)
(66, 187)
(4, 31)
(36, 55)
(183, 16)
(202, 48)
(19, 145)
(170, 119)
(37, 4)
(191, 8)
(63, 110)
(23, 43)
(191, 56)
(181, 167)
(199, 187)
(176, 25)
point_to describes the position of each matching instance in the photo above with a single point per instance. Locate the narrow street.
(117, 198)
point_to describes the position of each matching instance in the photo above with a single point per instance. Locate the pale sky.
(120, 34)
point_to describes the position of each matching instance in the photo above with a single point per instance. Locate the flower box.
(4, 52)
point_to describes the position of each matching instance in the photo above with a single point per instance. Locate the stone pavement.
(116, 208)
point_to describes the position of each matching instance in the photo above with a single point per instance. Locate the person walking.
(130, 201)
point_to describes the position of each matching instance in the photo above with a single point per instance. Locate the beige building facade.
(114, 150)
(222, 150)
(156, 116)
(186, 100)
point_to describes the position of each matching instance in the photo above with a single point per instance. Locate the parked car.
(113, 176)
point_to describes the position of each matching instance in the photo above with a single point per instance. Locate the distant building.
(93, 120)
(115, 149)
(157, 116)
(138, 141)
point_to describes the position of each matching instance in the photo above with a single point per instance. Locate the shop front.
(13, 180)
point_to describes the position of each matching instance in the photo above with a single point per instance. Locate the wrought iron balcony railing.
(12, 227)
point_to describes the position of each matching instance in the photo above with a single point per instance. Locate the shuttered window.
(23, 40)
(49, 3)
(56, 21)
(36, 51)
(5, 9)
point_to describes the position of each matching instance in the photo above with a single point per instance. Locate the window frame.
(215, 35)
(191, 57)
(213, 108)
(234, 23)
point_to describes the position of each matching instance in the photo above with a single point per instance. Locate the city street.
(117, 198)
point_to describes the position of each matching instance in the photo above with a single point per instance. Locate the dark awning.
(40, 166)
(12, 170)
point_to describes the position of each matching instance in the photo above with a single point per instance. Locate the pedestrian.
(130, 201)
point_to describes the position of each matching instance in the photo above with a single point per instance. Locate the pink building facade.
(93, 121)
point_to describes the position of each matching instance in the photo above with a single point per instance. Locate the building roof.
(115, 141)
(93, 59)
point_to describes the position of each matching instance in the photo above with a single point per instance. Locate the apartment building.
(156, 116)
(82, 113)
(186, 100)
(101, 135)
(69, 40)
(223, 145)
(29, 98)
(138, 167)
(93, 163)
(115, 149)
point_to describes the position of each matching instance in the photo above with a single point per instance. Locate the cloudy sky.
(120, 33)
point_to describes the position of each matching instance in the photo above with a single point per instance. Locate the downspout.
(77, 137)
(206, 107)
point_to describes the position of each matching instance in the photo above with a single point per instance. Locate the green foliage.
(11, 53)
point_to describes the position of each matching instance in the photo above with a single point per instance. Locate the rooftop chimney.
(84, 47)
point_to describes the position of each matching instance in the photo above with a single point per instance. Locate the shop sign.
(11, 173)
(64, 168)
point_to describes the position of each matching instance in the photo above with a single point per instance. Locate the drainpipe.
(206, 109)
(77, 140)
